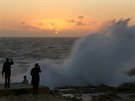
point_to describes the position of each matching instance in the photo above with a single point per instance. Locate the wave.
(99, 58)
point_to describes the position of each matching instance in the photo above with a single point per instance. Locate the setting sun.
(71, 17)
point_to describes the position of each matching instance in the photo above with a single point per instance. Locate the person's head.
(36, 65)
(7, 60)
(25, 77)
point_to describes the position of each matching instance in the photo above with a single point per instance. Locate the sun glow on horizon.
(61, 24)
(61, 16)
(55, 24)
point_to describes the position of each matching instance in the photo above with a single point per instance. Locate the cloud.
(23, 22)
(80, 23)
(71, 21)
(24, 25)
(40, 24)
(76, 20)
(52, 24)
(81, 17)
(28, 27)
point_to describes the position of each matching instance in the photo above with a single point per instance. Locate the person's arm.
(12, 62)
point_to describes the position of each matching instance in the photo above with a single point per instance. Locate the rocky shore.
(124, 92)
(23, 92)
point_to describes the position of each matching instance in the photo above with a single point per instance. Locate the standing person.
(7, 70)
(35, 78)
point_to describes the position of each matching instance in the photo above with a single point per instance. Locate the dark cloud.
(32, 27)
(52, 24)
(81, 17)
(76, 22)
(80, 23)
(27, 27)
(23, 22)
(41, 24)
(71, 21)
(54, 27)
(24, 25)
(83, 23)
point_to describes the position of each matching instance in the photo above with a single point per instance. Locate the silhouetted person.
(7, 70)
(35, 78)
(25, 80)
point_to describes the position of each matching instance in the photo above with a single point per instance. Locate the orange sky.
(60, 18)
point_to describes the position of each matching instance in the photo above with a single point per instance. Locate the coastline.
(23, 92)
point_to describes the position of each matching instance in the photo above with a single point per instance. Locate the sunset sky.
(60, 18)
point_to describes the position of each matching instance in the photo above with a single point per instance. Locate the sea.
(104, 57)
(27, 51)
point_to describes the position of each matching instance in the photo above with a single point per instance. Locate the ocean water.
(102, 57)
(26, 51)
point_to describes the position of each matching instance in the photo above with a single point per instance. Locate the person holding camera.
(7, 70)
(35, 78)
